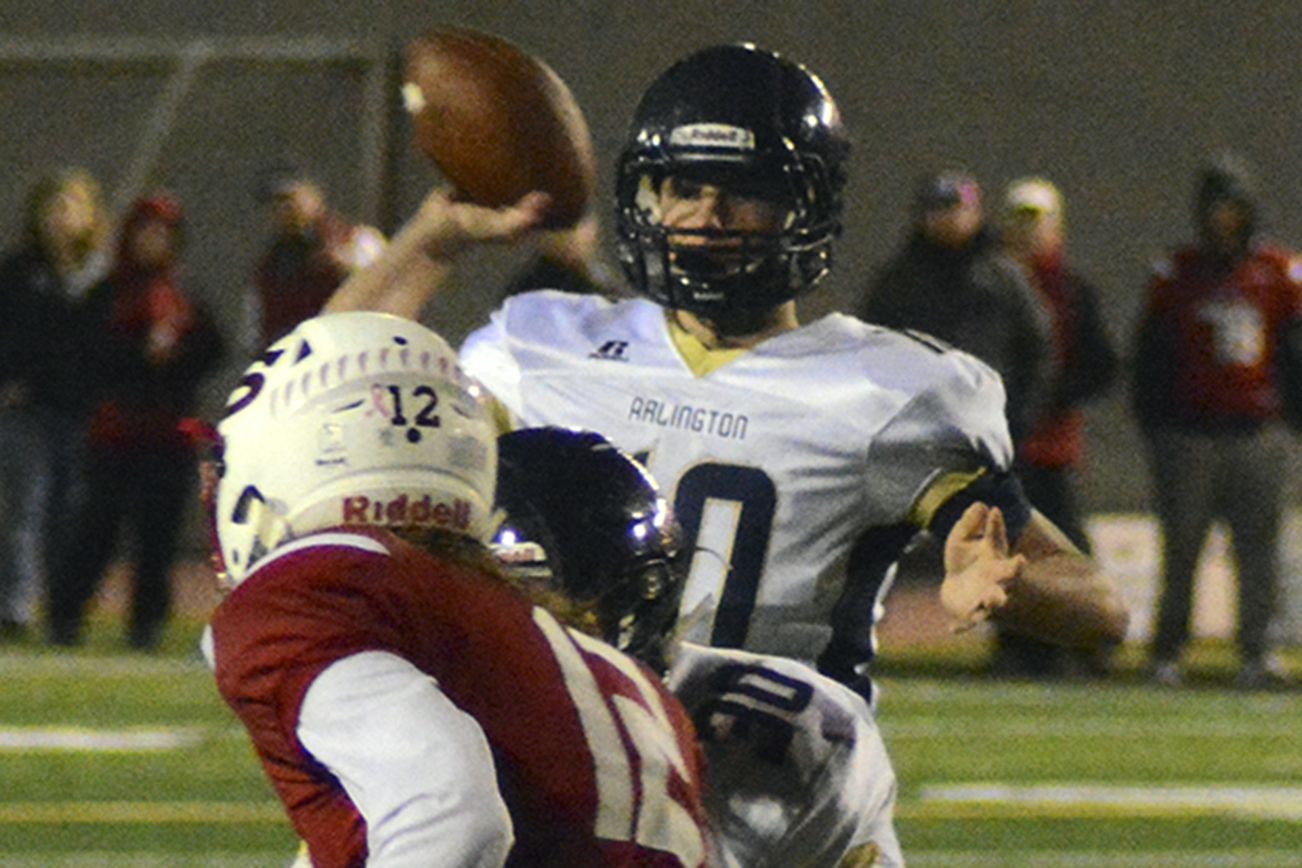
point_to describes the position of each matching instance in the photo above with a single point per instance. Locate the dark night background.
(1118, 102)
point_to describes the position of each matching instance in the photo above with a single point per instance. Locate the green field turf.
(116, 759)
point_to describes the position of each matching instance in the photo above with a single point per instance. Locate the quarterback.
(410, 703)
(801, 459)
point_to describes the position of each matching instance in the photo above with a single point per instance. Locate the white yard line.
(1246, 858)
(144, 859)
(141, 739)
(108, 813)
(1131, 730)
(27, 665)
(1259, 802)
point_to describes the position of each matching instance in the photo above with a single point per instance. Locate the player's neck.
(741, 334)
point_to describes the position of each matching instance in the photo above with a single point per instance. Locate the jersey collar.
(700, 359)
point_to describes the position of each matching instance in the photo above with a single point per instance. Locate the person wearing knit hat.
(1216, 352)
(950, 280)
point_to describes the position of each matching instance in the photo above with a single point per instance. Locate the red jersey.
(597, 763)
(297, 275)
(1222, 329)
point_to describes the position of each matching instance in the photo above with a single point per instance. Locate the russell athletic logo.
(359, 509)
(611, 351)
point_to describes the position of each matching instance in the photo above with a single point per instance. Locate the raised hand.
(449, 225)
(415, 264)
(978, 567)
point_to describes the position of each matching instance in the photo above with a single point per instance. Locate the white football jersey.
(796, 770)
(776, 462)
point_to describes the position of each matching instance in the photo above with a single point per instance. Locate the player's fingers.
(971, 523)
(973, 618)
(533, 202)
(997, 531)
(436, 216)
(1006, 571)
(440, 197)
(512, 221)
(531, 208)
(454, 225)
(965, 530)
(990, 599)
(996, 598)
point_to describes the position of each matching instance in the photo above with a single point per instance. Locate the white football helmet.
(353, 419)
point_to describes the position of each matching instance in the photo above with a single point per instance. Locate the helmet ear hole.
(250, 495)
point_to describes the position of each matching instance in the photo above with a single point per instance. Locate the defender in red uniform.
(409, 704)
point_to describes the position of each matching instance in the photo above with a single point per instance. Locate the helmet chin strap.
(737, 328)
(745, 322)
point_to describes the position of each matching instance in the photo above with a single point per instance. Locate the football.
(498, 122)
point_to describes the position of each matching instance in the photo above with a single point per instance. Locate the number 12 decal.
(425, 415)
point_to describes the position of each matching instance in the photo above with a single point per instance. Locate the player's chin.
(738, 322)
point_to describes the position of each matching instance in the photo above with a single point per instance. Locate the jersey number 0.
(748, 496)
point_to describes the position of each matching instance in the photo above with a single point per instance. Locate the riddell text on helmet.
(359, 509)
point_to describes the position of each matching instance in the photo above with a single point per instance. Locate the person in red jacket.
(1033, 232)
(152, 346)
(312, 250)
(1217, 329)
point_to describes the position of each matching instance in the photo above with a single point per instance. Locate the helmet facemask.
(722, 273)
(635, 604)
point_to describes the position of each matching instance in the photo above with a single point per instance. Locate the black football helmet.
(586, 520)
(733, 115)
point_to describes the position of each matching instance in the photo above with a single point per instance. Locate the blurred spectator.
(153, 345)
(951, 281)
(1221, 315)
(1033, 233)
(62, 252)
(311, 251)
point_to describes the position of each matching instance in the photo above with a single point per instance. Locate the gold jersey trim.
(938, 494)
(503, 420)
(700, 359)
